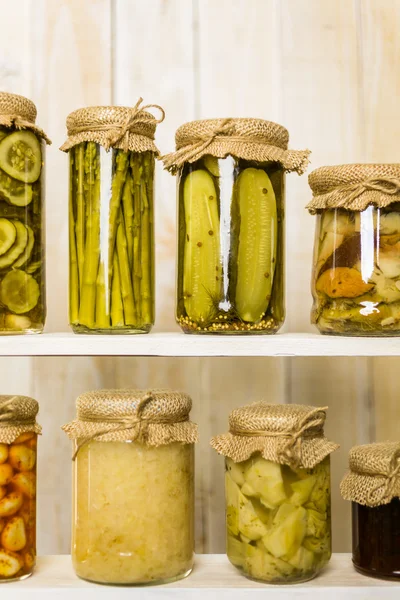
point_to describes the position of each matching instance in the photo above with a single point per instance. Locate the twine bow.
(385, 490)
(136, 422)
(308, 426)
(119, 132)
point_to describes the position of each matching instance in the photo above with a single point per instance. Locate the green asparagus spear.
(102, 309)
(125, 276)
(92, 247)
(80, 207)
(127, 202)
(73, 263)
(119, 176)
(136, 169)
(146, 293)
(117, 310)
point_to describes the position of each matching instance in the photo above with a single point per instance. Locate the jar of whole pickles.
(22, 267)
(372, 484)
(356, 268)
(133, 505)
(111, 218)
(277, 487)
(231, 195)
(18, 458)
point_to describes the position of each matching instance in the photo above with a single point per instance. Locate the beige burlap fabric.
(151, 417)
(17, 415)
(354, 187)
(19, 112)
(291, 434)
(126, 128)
(373, 478)
(250, 139)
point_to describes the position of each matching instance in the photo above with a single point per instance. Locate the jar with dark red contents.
(373, 486)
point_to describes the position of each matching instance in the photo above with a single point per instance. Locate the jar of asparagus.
(356, 270)
(18, 453)
(277, 487)
(231, 198)
(133, 510)
(372, 484)
(111, 219)
(22, 268)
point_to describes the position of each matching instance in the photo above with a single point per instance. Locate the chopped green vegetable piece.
(265, 478)
(21, 156)
(8, 258)
(8, 234)
(26, 254)
(288, 536)
(19, 291)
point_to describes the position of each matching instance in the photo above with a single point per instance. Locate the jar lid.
(250, 139)
(373, 478)
(17, 415)
(152, 417)
(20, 112)
(290, 434)
(123, 127)
(354, 187)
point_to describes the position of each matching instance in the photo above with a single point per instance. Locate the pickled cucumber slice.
(21, 156)
(8, 234)
(201, 270)
(26, 254)
(9, 257)
(256, 257)
(14, 192)
(19, 291)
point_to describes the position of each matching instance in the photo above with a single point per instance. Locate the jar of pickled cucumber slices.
(277, 487)
(133, 506)
(18, 458)
(356, 267)
(111, 218)
(231, 195)
(22, 268)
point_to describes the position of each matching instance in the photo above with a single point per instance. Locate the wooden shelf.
(213, 578)
(179, 344)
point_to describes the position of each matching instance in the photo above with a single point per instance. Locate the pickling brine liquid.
(18, 508)
(231, 247)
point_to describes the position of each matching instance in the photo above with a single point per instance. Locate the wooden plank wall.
(328, 71)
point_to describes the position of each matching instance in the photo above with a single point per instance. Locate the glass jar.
(231, 246)
(376, 539)
(18, 507)
(356, 274)
(111, 240)
(22, 224)
(133, 512)
(278, 519)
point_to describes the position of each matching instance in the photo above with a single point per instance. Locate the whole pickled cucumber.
(201, 267)
(256, 254)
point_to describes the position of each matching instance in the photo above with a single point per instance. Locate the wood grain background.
(328, 71)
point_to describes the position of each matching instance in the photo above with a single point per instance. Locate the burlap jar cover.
(19, 112)
(17, 415)
(374, 475)
(354, 187)
(290, 434)
(120, 127)
(150, 417)
(249, 139)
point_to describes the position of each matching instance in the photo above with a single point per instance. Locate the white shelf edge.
(213, 578)
(179, 344)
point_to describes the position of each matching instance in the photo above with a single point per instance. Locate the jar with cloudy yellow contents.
(18, 459)
(133, 499)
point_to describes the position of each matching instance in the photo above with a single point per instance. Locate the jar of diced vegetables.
(111, 219)
(22, 268)
(356, 267)
(18, 459)
(231, 195)
(133, 512)
(277, 486)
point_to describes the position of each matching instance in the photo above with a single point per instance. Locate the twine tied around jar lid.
(354, 187)
(250, 139)
(19, 112)
(122, 127)
(150, 417)
(289, 434)
(373, 478)
(17, 415)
